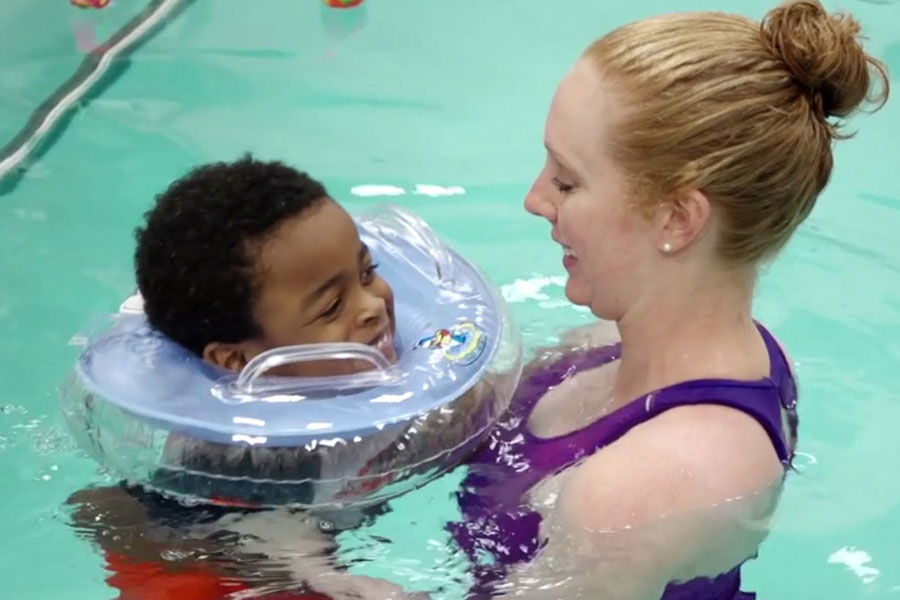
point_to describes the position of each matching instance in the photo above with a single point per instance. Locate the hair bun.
(822, 53)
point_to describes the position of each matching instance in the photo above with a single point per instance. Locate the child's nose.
(373, 310)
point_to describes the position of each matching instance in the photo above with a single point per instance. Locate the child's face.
(317, 283)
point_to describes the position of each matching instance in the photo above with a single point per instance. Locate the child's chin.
(391, 355)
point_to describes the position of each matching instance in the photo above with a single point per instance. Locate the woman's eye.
(563, 187)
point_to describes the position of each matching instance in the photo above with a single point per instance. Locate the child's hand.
(296, 544)
(345, 586)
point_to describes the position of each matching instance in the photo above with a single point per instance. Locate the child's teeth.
(383, 341)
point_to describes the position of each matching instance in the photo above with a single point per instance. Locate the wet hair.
(746, 112)
(196, 251)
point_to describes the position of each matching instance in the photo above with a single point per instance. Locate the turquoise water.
(423, 93)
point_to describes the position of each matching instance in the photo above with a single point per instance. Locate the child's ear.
(233, 357)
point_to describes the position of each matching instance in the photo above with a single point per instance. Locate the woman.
(682, 150)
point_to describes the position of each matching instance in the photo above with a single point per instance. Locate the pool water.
(438, 107)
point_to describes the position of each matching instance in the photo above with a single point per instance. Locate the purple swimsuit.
(498, 530)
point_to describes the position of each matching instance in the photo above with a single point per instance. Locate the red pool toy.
(341, 24)
(90, 3)
(343, 3)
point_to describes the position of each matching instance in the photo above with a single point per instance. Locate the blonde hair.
(745, 112)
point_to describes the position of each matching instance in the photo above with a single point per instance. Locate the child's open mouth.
(384, 343)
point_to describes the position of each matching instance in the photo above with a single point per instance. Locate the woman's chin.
(582, 296)
(577, 294)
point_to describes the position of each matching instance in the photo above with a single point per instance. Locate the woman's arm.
(686, 495)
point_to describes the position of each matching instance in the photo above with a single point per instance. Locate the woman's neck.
(690, 332)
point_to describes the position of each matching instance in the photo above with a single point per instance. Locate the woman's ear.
(233, 357)
(683, 220)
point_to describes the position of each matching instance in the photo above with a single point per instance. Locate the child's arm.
(134, 547)
(149, 560)
(121, 524)
(439, 431)
(295, 543)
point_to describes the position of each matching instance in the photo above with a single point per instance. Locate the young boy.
(233, 260)
(239, 258)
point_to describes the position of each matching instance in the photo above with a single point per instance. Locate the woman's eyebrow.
(565, 164)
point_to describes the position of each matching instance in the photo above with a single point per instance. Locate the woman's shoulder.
(782, 348)
(696, 484)
(688, 458)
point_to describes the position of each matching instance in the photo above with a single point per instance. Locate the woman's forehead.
(578, 115)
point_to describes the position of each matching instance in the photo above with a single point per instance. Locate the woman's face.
(606, 243)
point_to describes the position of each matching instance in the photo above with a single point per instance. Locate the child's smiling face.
(315, 282)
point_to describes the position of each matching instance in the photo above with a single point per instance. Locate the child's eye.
(333, 309)
(368, 274)
(563, 187)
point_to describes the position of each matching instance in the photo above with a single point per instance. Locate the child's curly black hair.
(194, 260)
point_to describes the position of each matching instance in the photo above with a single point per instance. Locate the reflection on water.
(152, 544)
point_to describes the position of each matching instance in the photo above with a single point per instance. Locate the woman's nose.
(539, 204)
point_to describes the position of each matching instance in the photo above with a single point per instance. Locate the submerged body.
(516, 472)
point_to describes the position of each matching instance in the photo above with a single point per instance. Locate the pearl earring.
(667, 247)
